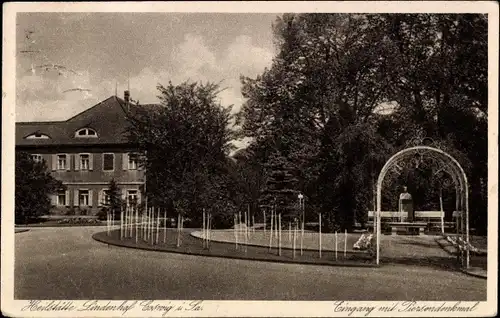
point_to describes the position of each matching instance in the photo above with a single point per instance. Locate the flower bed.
(462, 245)
(364, 242)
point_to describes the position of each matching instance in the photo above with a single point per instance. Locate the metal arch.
(458, 174)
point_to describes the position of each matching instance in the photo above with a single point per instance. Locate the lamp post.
(301, 205)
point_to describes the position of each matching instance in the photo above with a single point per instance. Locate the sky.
(102, 52)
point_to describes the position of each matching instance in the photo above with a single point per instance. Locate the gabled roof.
(107, 118)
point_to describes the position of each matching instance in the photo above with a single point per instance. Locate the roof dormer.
(37, 135)
(86, 133)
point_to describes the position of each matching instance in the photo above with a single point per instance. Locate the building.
(85, 152)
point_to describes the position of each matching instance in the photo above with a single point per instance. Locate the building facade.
(86, 152)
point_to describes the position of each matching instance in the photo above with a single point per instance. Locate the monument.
(406, 206)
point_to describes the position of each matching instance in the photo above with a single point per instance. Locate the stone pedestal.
(406, 205)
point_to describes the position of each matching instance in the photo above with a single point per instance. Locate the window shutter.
(66, 198)
(68, 158)
(124, 195)
(75, 197)
(91, 161)
(139, 162)
(53, 199)
(125, 161)
(77, 162)
(90, 198)
(100, 198)
(138, 197)
(54, 162)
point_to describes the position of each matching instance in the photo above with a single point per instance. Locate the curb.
(284, 261)
(20, 230)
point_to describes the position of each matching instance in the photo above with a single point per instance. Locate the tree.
(332, 77)
(186, 141)
(113, 203)
(439, 67)
(325, 82)
(34, 185)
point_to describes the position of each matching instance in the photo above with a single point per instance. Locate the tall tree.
(439, 67)
(326, 80)
(187, 140)
(34, 185)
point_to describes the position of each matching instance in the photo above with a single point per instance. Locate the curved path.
(66, 263)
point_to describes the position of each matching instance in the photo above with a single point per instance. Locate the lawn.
(329, 242)
(193, 245)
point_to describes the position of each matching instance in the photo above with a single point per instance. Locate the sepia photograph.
(163, 160)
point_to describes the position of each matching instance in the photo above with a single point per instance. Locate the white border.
(241, 308)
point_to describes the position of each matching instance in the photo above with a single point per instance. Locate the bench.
(428, 217)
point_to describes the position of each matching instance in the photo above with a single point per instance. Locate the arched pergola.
(446, 163)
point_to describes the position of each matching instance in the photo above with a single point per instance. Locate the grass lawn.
(193, 245)
(329, 242)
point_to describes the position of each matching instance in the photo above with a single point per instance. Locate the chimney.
(126, 96)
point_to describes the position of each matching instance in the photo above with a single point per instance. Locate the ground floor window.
(83, 197)
(106, 198)
(61, 198)
(132, 197)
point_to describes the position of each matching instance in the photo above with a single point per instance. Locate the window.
(61, 198)
(37, 135)
(61, 162)
(108, 162)
(37, 158)
(83, 197)
(132, 161)
(106, 199)
(86, 132)
(132, 197)
(84, 162)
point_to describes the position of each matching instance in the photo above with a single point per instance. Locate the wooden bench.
(423, 216)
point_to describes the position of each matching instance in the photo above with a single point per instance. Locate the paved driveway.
(66, 263)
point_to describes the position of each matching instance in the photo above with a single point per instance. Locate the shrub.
(79, 221)
(102, 214)
(70, 211)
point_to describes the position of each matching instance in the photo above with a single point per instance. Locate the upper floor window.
(86, 132)
(108, 162)
(84, 161)
(37, 135)
(37, 157)
(132, 161)
(61, 162)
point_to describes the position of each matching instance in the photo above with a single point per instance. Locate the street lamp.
(301, 205)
